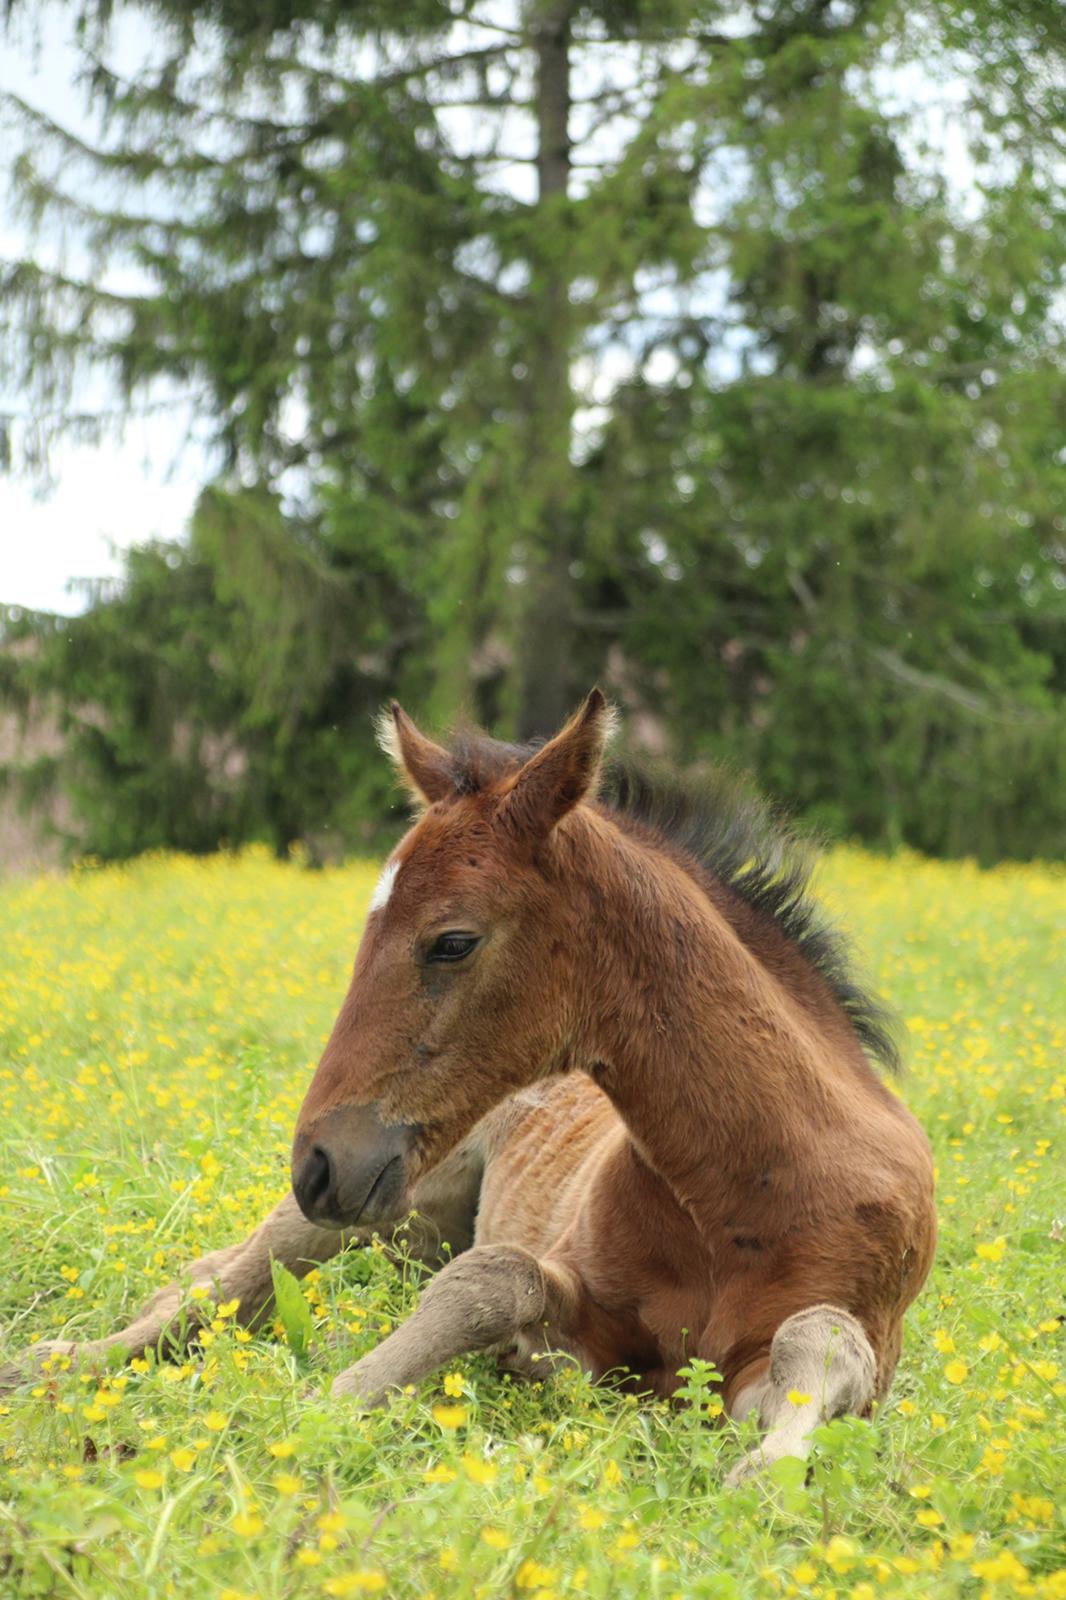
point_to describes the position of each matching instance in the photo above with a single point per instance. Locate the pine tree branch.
(936, 683)
(141, 163)
(159, 98)
(475, 163)
(43, 196)
(13, 272)
(500, 102)
(396, 76)
(495, 27)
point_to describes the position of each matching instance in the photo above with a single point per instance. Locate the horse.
(605, 1057)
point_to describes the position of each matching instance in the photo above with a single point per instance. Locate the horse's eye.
(452, 946)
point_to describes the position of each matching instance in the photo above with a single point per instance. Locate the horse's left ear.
(563, 772)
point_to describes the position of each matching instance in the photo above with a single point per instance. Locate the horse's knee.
(826, 1348)
(479, 1300)
(495, 1289)
(821, 1364)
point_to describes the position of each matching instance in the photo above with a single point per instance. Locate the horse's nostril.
(316, 1180)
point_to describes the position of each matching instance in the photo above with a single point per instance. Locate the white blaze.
(383, 887)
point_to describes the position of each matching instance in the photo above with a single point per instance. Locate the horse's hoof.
(13, 1374)
(30, 1366)
(758, 1461)
(749, 1466)
(360, 1387)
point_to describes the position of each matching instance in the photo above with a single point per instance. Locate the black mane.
(729, 832)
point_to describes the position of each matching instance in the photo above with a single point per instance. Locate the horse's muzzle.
(350, 1169)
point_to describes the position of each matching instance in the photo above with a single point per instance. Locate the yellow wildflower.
(479, 1471)
(367, 1580)
(1001, 1568)
(531, 1575)
(450, 1417)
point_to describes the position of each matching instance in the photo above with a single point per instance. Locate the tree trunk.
(546, 631)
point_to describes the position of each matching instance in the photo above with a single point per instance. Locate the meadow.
(159, 1023)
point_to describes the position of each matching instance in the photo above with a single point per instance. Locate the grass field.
(159, 1024)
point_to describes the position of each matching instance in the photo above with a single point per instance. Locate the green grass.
(159, 1023)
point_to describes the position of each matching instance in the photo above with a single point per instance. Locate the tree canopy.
(644, 340)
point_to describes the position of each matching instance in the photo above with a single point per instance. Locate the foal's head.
(462, 990)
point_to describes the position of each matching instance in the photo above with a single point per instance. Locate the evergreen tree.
(398, 251)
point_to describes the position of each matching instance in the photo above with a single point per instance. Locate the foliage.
(550, 343)
(292, 1309)
(182, 722)
(147, 1114)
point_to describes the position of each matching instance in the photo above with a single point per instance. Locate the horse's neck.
(719, 1072)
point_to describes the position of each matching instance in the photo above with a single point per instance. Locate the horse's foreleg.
(446, 1203)
(242, 1272)
(822, 1359)
(482, 1299)
(239, 1272)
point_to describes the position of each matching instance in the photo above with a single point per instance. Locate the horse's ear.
(561, 773)
(422, 766)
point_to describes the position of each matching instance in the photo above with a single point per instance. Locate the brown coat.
(672, 1104)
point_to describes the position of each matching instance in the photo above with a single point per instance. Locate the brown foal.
(625, 1080)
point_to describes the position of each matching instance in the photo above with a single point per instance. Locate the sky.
(102, 497)
(105, 497)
